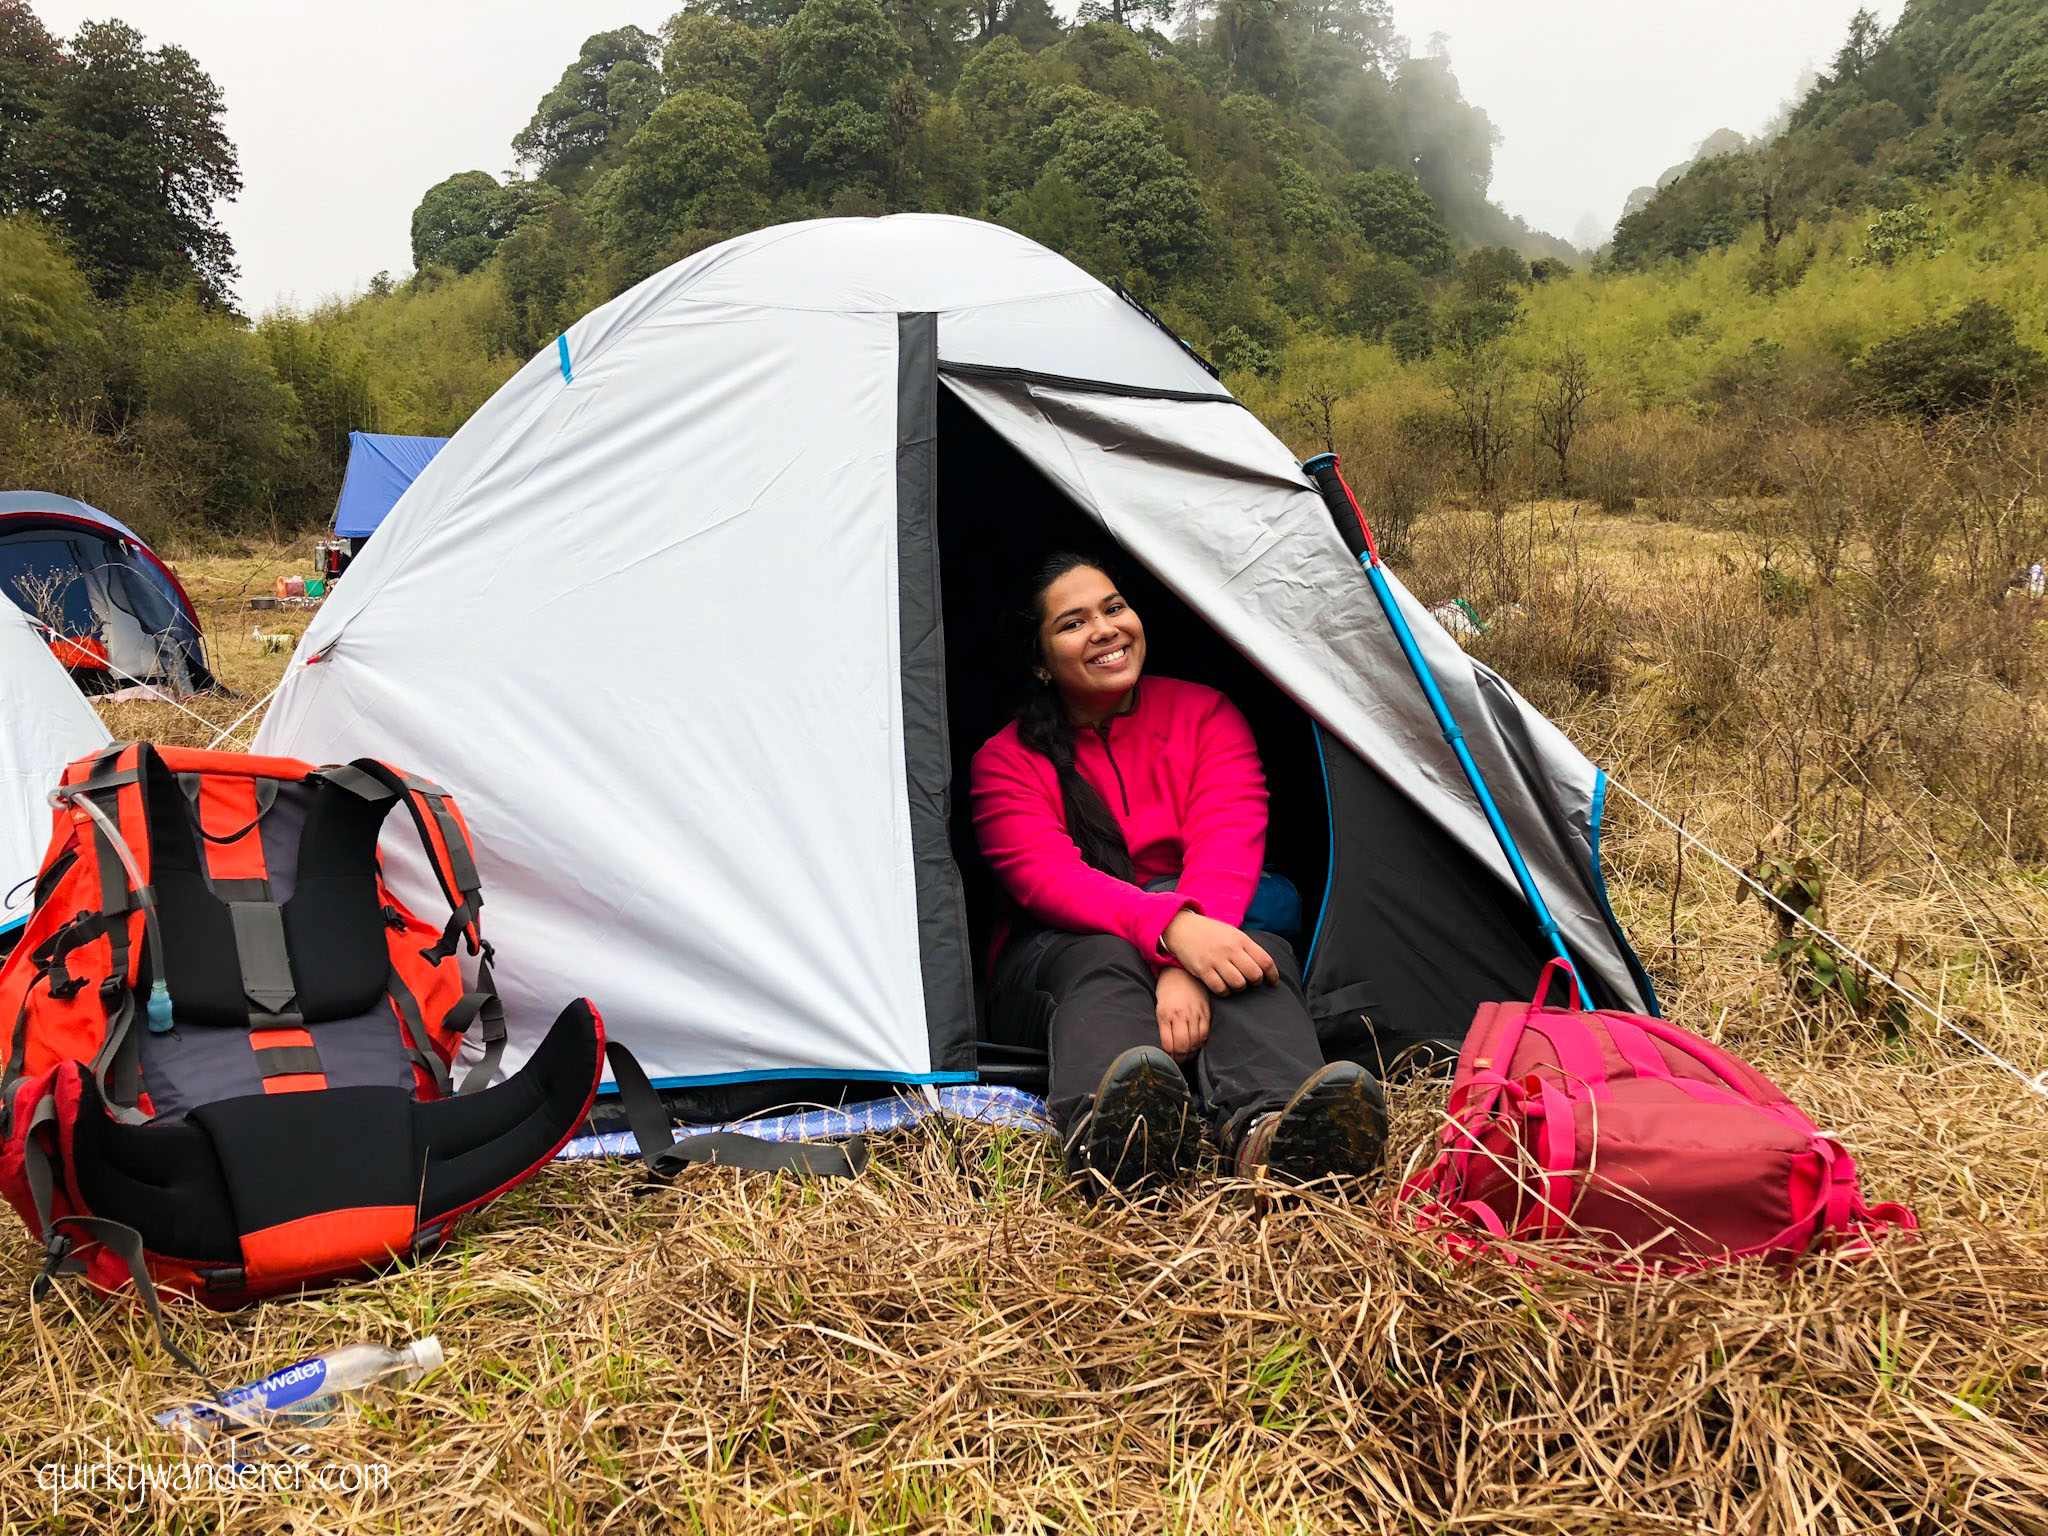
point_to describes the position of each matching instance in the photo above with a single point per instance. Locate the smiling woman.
(1125, 818)
(1091, 643)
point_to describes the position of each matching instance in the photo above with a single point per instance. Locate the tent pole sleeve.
(1357, 535)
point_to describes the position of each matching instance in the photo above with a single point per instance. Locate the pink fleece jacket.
(1179, 771)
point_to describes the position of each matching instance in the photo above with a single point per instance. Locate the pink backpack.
(1638, 1136)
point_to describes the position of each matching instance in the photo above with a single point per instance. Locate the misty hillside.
(1957, 90)
(1296, 191)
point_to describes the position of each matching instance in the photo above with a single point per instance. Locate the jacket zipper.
(1102, 730)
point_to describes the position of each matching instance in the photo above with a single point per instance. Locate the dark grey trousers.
(1261, 1043)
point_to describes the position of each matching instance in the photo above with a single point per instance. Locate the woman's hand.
(1218, 955)
(1183, 1007)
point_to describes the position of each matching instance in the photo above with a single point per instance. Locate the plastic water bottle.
(305, 1394)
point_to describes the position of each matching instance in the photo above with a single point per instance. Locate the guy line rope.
(2038, 1083)
(159, 696)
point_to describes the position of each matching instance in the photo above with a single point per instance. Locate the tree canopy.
(121, 147)
(608, 92)
(460, 222)
(1264, 167)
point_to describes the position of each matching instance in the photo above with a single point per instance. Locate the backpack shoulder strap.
(445, 836)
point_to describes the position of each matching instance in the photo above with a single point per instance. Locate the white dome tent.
(696, 617)
(45, 723)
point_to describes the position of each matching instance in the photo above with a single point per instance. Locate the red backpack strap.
(102, 796)
(445, 836)
(1556, 1152)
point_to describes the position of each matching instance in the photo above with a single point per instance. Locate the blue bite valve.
(159, 1008)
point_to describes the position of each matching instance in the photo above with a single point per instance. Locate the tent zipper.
(1102, 730)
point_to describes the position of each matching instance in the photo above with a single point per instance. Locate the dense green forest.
(1289, 185)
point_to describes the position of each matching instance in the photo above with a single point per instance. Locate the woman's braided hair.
(1043, 726)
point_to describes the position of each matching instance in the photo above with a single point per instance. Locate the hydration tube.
(1357, 535)
(157, 1009)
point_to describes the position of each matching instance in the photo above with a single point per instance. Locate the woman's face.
(1089, 640)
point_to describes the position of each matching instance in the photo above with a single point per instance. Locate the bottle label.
(293, 1384)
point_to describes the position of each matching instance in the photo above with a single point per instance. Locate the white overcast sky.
(344, 115)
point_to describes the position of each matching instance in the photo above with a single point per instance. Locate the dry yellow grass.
(954, 1343)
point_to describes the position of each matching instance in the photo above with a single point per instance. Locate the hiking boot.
(1141, 1132)
(1335, 1123)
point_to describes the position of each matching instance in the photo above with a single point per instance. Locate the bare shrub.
(1560, 649)
(1996, 475)
(1313, 411)
(123, 474)
(1809, 462)
(1874, 497)
(1397, 481)
(42, 593)
(1484, 392)
(1664, 461)
(1550, 624)
(1564, 395)
(1610, 464)
(1718, 635)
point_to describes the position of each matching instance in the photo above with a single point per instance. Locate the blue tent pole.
(1357, 535)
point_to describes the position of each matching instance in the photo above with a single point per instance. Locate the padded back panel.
(325, 878)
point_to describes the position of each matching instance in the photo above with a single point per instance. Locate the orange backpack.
(231, 1050)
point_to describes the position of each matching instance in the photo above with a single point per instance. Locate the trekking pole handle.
(1344, 509)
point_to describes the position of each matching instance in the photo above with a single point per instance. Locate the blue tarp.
(380, 467)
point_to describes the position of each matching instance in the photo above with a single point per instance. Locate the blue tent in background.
(380, 467)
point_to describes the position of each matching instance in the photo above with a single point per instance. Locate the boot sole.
(1143, 1132)
(1335, 1123)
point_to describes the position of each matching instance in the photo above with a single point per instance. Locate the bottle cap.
(427, 1355)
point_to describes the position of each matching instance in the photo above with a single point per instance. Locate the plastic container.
(295, 586)
(305, 1394)
(315, 587)
(282, 587)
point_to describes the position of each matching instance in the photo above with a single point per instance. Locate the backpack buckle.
(56, 1257)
